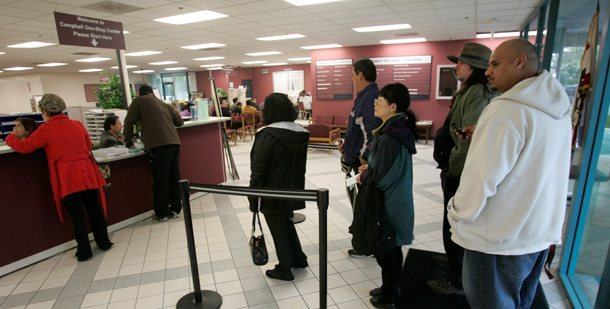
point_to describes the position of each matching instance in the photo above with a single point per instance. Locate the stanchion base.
(211, 300)
(298, 218)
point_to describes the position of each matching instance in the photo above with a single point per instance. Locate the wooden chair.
(239, 119)
(303, 114)
(250, 121)
(231, 134)
(340, 121)
(324, 119)
(320, 133)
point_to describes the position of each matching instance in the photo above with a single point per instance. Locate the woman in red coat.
(75, 178)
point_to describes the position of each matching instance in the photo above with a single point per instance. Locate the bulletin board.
(289, 82)
(90, 92)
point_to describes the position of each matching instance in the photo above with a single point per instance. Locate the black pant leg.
(175, 201)
(160, 160)
(295, 244)
(455, 253)
(391, 267)
(73, 203)
(278, 224)
(96, 219)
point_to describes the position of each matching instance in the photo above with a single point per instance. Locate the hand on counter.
(133, 147)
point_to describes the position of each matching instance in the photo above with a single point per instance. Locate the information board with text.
(334, 79)
(412, 71)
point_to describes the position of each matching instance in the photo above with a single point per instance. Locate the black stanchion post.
(322, 200)
(197, 299)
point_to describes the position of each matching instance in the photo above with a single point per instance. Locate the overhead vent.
(112, 7)
(85, 54)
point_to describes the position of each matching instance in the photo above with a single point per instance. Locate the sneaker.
(355, 254)
(174, 215)
(379, 302)
(441, 261)
(375, 292)
(164, 219)
(444, 286)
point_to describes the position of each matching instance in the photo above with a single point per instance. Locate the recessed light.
(191, 17)
(276, 63)
(125, 32)
(18, 68)
(264, 53)
(498, 35)
(382, 28)
(163, 62)
(204, 46)
(299, 59)
(321, 46)
(308, 2)
(255, 62)
(176, 68)
(90, 70)
(32, 44)
(214, 68)
(143, 71)
(281, 37)
(143, 53)
(1, 71)
(95, 59)
(211, 65)
(208, 58)
(2, 53)
(400, 41)
(51, 64)
(127, 66)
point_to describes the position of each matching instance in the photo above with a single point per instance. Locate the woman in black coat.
(278, 160)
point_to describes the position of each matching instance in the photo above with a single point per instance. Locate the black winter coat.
(278, 160)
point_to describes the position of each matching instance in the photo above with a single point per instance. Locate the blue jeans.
(501, 281)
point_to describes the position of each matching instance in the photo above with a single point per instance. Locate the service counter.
(30, 229)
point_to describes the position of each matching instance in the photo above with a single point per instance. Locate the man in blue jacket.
(362, 121)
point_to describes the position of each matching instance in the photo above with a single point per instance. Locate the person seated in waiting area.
(255, 104)
(112, 135)
(234, 104)
(250, 110)
(225, 112)
(237, 108)
(24, 127)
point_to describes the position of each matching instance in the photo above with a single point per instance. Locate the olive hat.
(475, 54)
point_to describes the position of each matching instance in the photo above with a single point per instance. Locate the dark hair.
(248, 102)
(279, 108)
(186, 106)
(110, 120)
(234, 100)
(399, 94)
(30, 125)
(476, 77)
(145, 89)
(238, 104)
(411, 122)
(367, 67)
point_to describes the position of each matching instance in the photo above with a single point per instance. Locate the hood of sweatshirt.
(542, 92)
(396, 126)
(292, 136)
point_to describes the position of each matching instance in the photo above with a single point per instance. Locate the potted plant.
(110, 94)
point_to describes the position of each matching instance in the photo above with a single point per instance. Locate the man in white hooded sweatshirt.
(509, 207)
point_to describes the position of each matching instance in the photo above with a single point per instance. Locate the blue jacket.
(391, 166)
(362, 122)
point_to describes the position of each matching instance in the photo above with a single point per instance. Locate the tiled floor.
(149, 268)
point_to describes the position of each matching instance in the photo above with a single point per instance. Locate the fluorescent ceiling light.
(498, 35)
(299, 59)
(90, 70)
(400, 41)
(264, 53)
(32, 44)
(208, 58)
(143, 71)
(255, 62)
(214, 68)
(308, 2)
(2, 53)
(143, 53)
(191, 17)
(125, 32)
(163, 62)
(51, 64)
(95, 59)
(176, 68)
(281, 37)
(382, 28)
(1, 71)
(18, 68)
(204, 46)
(276, 63)
(127, 66)
(321, 46)
(211, 65)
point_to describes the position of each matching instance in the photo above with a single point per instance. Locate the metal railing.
(211, 299)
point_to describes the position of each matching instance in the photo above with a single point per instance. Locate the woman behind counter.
(278, 160)
(391, 167)
(75, 179)
(24, 127)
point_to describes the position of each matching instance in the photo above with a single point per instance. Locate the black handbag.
(258, 249)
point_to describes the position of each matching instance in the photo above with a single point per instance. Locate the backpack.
(443, 143)
(372, 233)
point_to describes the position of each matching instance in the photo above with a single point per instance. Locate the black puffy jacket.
(278, 160)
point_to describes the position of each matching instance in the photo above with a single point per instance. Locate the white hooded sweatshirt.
(512, 194)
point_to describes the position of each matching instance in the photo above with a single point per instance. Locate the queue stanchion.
(197, 299)
(322, 200)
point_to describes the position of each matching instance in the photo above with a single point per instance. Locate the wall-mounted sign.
(264, 71)
(89, 32)
(287, 69)
(334, 79)
(412, 71)
(227, 69)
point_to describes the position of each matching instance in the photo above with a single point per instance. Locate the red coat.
(71, 165)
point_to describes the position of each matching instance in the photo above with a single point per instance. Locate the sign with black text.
(334, 79)
(411, 71)
(89, 32)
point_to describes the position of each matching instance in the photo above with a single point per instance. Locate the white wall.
(70, 87)
(16, 92)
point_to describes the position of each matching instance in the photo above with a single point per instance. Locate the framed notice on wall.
(412, 71)
(334, 79)
(90, 92)
(446, 82)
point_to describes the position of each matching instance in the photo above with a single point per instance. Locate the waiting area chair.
(320, 133)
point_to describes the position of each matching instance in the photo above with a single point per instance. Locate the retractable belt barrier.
(211, 299)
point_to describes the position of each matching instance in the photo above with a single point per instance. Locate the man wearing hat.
(466, 107)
